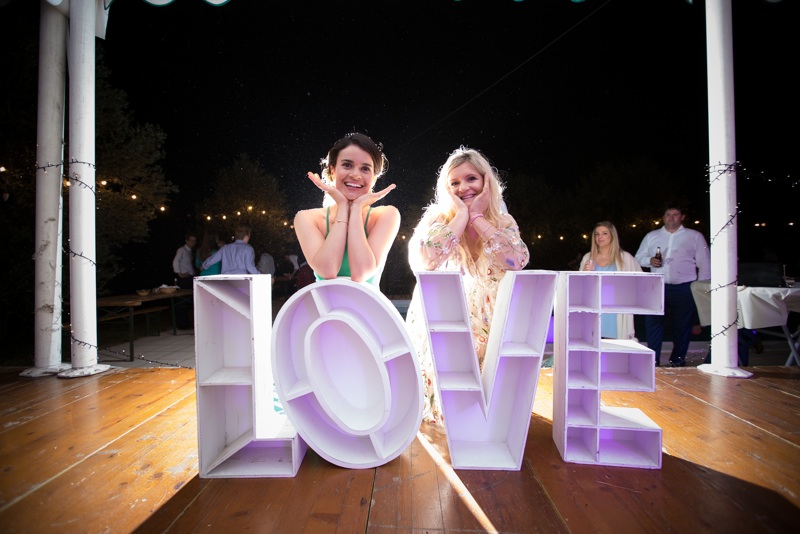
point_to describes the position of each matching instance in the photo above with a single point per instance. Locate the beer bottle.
(658, 253)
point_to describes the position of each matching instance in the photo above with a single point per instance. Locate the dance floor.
(117, 452)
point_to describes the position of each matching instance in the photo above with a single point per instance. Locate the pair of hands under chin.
(364, 200)
(479, 204)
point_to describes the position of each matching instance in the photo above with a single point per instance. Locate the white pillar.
(81, 245)
(722, 191)
(50, 168)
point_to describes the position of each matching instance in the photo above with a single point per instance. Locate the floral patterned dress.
(435, 247)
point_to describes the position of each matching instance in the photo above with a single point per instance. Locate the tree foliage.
(129, 159)
(245, 194)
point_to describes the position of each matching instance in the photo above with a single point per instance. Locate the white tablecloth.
(759, 307)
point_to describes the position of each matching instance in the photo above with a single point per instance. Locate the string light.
(715, 174)
(735, 322)
(76, 341)
(110, 352)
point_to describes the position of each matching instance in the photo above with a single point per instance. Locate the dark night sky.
(546, 87)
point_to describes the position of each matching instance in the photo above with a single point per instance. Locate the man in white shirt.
(183, 262)
(266, 264)
(183, 267)
(684, 259)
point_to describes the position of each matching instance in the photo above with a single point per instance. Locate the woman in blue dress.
(607, 255)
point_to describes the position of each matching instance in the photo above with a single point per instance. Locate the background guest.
(605, 256)
(237, 257)
(684, 259)
(183, 262)
(266, 264)
(208, 246)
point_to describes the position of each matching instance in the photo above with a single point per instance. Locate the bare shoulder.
(385, 211)
(309, 215)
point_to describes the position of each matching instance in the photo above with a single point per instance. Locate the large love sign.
(347, 376)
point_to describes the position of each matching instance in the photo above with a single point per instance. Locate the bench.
(128, 316)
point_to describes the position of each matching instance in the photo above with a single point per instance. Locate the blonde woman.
(466, 228)
(606, 255)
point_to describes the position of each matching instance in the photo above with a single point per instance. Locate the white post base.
(84, 371)
(730, 372)
(37, 372)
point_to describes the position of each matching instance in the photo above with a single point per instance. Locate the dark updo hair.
(375, 150)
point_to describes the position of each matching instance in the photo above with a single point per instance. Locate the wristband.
(472, 219)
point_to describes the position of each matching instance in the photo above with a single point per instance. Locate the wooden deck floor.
(117, 452)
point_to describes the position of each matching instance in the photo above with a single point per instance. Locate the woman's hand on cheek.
(481, 202)
(372, 197)
(326, 187)
(457, 202)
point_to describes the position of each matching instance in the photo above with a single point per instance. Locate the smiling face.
(602, 236)
(465, 182)
(354, 172)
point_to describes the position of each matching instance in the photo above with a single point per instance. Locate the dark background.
(546, 88)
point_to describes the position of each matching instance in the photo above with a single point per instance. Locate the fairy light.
(715, 174)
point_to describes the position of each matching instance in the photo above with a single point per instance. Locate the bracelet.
(472, 219)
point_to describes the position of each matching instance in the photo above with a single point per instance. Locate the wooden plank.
(760, 402)
(33, 452)
(392, 498)
(26, 404)
(321, 498)
(725, 469)
(343, 502)
(129, 478)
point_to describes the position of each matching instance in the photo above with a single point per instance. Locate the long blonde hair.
(444, 209)
(615, 249)
(444, 204)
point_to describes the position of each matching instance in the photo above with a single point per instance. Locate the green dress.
(344, 270)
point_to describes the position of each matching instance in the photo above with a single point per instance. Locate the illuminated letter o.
(346, 373)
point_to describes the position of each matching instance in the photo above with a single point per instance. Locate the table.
(129, 304)
(758, 307)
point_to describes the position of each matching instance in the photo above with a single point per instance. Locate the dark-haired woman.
(348, 236)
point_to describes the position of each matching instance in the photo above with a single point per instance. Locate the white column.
(49, 171)
(722, 191)
(81, 245)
